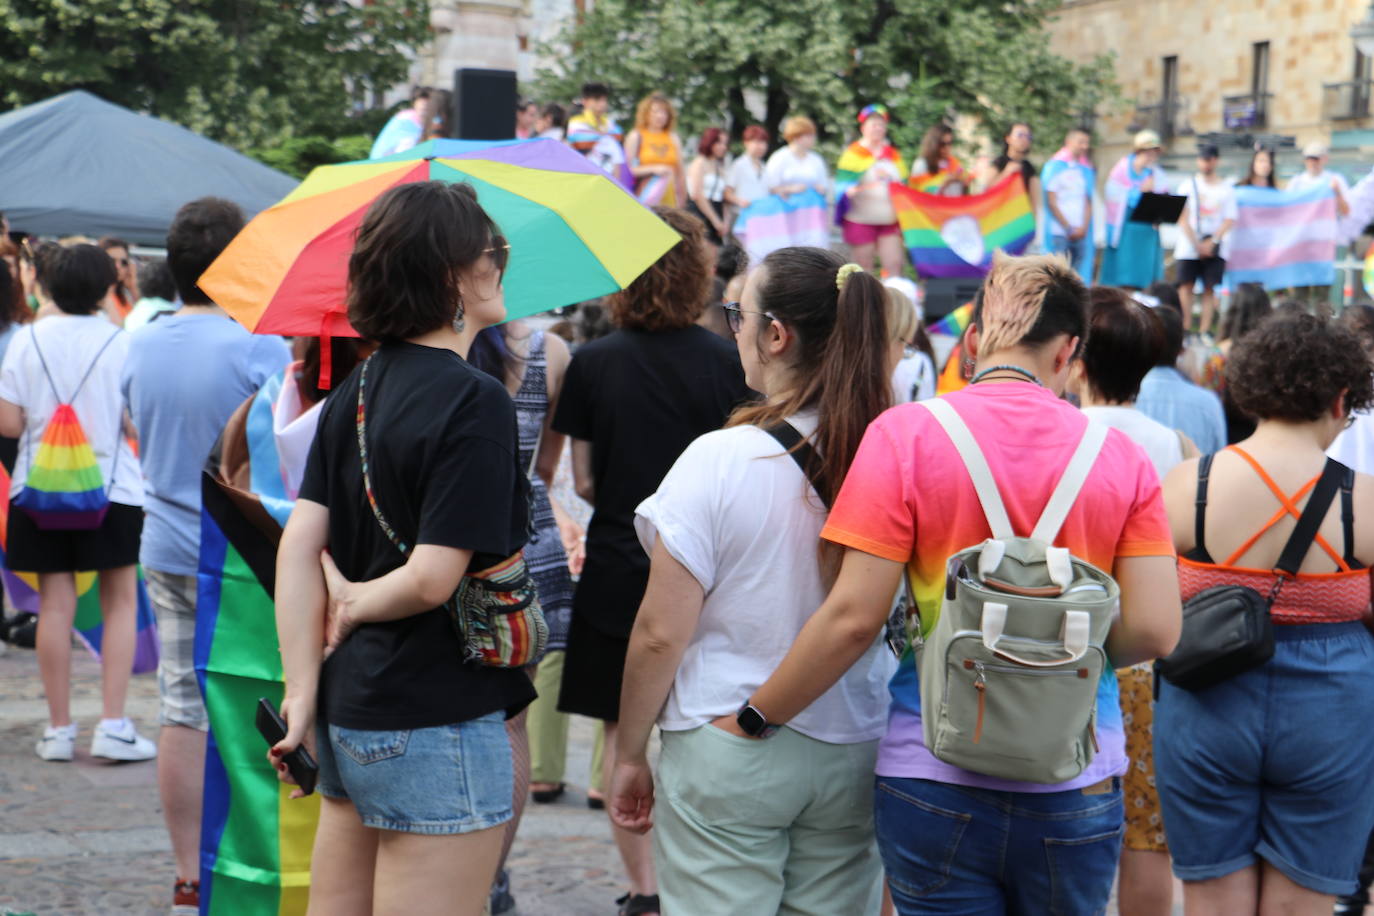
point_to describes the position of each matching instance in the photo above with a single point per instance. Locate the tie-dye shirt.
(908, 499)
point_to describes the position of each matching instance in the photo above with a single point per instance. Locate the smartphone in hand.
(272, 726)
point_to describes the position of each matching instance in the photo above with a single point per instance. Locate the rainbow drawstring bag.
(64, 489)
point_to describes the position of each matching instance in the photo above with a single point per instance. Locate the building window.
(1259, 69)
(1169, 98)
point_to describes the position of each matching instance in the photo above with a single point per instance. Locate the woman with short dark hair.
(632, 401)
(415, 766)
(75, 358)
(1264, 812)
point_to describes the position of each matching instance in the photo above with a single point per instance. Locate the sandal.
(638, 905)
(547, 796)
(596, 802)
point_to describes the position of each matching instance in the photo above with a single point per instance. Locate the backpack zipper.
(980, 684)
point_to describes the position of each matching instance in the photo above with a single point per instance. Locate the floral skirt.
(1144, 823)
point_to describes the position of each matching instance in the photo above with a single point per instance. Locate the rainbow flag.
(22, 589)
(956, 236)
(779, 222)
(932, 184)
(255, 841)
(1283, 238)
(955, 323)
(856, 160)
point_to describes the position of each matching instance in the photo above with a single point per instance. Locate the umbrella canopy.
(78, 165)
(574, 234)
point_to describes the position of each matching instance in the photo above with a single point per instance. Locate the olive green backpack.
(1009, 673)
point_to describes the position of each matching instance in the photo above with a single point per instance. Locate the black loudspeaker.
(483, 104)
(944, 295)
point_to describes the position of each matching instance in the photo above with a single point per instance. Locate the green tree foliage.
(925, 59)
(245, 72)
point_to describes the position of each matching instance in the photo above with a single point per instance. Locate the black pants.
(1361, 896)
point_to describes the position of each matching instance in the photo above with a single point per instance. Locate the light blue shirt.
(1168, 397)
(184, 376)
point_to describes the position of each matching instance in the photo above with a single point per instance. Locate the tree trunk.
(778, 105)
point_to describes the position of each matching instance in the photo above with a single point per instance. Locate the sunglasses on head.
(499, 251)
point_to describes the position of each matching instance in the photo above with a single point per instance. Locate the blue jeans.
(954, 849)
(1079, 253)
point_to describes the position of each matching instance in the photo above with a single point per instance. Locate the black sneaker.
(501, 899)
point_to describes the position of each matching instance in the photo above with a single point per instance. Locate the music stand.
(1158, 208)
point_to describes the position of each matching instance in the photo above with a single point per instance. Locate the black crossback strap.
(807, 458)
(1305, 532)
(1204, 473)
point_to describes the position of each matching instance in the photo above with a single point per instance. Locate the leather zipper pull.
(980, 684)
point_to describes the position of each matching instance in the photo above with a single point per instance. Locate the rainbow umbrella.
(574, 233)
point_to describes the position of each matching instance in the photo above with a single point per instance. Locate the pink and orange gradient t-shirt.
(907, 498)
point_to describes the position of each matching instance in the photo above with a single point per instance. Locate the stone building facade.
(1284, 72)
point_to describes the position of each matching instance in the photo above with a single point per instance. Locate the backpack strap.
(33, 333)
(1204, 476)
(1070, 484)
(975, 463)
(803, 453)
(1348, 518)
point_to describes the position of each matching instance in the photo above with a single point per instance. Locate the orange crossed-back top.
(1333, 597)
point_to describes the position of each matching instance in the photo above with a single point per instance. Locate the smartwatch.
(753, 723)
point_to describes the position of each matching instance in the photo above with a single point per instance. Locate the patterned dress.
(544, 553)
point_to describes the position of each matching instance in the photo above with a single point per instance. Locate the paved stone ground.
(87, 837)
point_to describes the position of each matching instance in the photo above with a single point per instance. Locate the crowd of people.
(748, 543)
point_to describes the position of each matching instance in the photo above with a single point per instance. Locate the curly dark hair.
(1293, 366)
(673, 292)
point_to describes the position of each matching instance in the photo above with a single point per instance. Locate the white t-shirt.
(739, 515)
(1354, 447)
(1218, 205)
(1305, 180)
(913, 379)
(785, 168)
(69, 344)
(747, 180)
(1161, 444)
(1070, 190)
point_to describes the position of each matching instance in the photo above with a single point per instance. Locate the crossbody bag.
(496, 610)
(1228, 629)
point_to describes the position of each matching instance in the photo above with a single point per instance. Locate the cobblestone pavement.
(87, 837)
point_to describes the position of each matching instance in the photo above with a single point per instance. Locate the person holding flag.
(595, 135)
(406, 128)
(863, 197)
(1067, 183)
(1133, 257)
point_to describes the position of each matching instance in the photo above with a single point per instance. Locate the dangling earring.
(458, 319)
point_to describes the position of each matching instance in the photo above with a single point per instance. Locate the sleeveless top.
(544, 554)
(656, 148)
(1334, 597)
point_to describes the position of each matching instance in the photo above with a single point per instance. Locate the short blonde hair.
(646, 105)
(1029, 301)
(797, 126)
(901, 316)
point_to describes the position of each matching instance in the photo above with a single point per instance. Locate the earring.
(458, 318)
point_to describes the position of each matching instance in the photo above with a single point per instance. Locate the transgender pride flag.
(779, 222)
(1283, 238)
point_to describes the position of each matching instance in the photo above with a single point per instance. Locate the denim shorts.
(956, 849)
(1274, 764)
(441, 780)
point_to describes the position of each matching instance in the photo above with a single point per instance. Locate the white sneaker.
(57, 744)
(122, 744)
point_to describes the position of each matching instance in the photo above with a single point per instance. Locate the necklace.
(1029, 375)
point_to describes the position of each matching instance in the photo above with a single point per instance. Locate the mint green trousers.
(783, 825)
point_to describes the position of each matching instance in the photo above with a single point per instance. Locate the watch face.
(752, 721)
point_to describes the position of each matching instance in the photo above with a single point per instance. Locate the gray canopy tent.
(77, 164)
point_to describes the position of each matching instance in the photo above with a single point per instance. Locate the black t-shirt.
(445, 471)
(1028, 171)
(639, 398)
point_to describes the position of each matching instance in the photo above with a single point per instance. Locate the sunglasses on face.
(500, 252)
(734, 316)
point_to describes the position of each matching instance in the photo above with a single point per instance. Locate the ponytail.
(839, 314)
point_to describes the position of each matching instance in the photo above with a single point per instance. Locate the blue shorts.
(442, 780)
(1274, 764)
